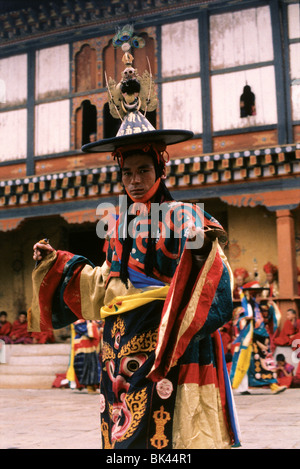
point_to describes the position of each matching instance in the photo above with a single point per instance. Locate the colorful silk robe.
(252, 352)
(164, 381)
(86, 352)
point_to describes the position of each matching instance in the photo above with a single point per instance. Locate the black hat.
(129, 100)
(136, 129)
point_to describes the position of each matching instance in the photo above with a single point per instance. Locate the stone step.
(26, 382)
(39, 360)
(37, 349)
(32, 370)
(33, 366)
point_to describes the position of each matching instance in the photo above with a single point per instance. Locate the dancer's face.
(138, 174)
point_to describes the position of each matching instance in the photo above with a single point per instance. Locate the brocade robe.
(164, 380)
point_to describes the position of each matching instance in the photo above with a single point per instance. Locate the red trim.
(220, 371)
(48, 287)
(170, 350)
(73, 301)
(197, 374)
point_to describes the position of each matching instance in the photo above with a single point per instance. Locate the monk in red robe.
(19, 333)
(240, 276)
(5, 326)
(290, 330)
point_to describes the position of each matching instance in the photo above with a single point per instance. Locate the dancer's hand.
(41, 250)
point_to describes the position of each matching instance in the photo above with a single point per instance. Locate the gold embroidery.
(267, 376)
(119, 325)
(104, 429)
(136, 403)
(107, 352)
(145, 342)
(161, 417)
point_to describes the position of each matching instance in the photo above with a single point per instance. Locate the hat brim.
(169, 137)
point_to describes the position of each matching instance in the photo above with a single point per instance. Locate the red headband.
(158, 147)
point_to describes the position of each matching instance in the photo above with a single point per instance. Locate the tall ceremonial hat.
(254, 287)
(130, 100)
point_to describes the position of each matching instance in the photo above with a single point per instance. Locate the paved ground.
(66, 419)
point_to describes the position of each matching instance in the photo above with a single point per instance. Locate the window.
(52, 113)
(181, 89)
(52, 129)
(13, 110)
(294, 49)
(86, 123)
(242, 54)
(86, 69)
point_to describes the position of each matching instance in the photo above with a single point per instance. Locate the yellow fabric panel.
(71, 371)
(242, 366)
(244, 358)
(38, 275)
(92, 290)
(122, 304)
(198, 418)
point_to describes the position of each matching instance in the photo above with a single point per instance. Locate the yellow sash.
(122, 304)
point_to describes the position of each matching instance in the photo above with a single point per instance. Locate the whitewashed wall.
(293, 20)
(52, 120)
(294, 50)
(182, 105)
(13, 124)
(52, 71)
(226, 91)
(13, 134)
(13, 71)
(52, 127)
(181, 99)
(180, 48)
(242, 38)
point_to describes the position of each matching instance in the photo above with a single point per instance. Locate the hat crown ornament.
(134, 93)
(130, 99)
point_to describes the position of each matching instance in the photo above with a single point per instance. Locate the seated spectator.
(19, 333)
(284, 371)
(5, 326)
(290, 330)
(271, 281)
(240, 276)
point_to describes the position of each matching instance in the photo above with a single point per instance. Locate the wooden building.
(243, 163)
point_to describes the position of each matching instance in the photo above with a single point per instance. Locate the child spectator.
(284, 371)
(5, 326)
(290, 330)
(19, 333)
